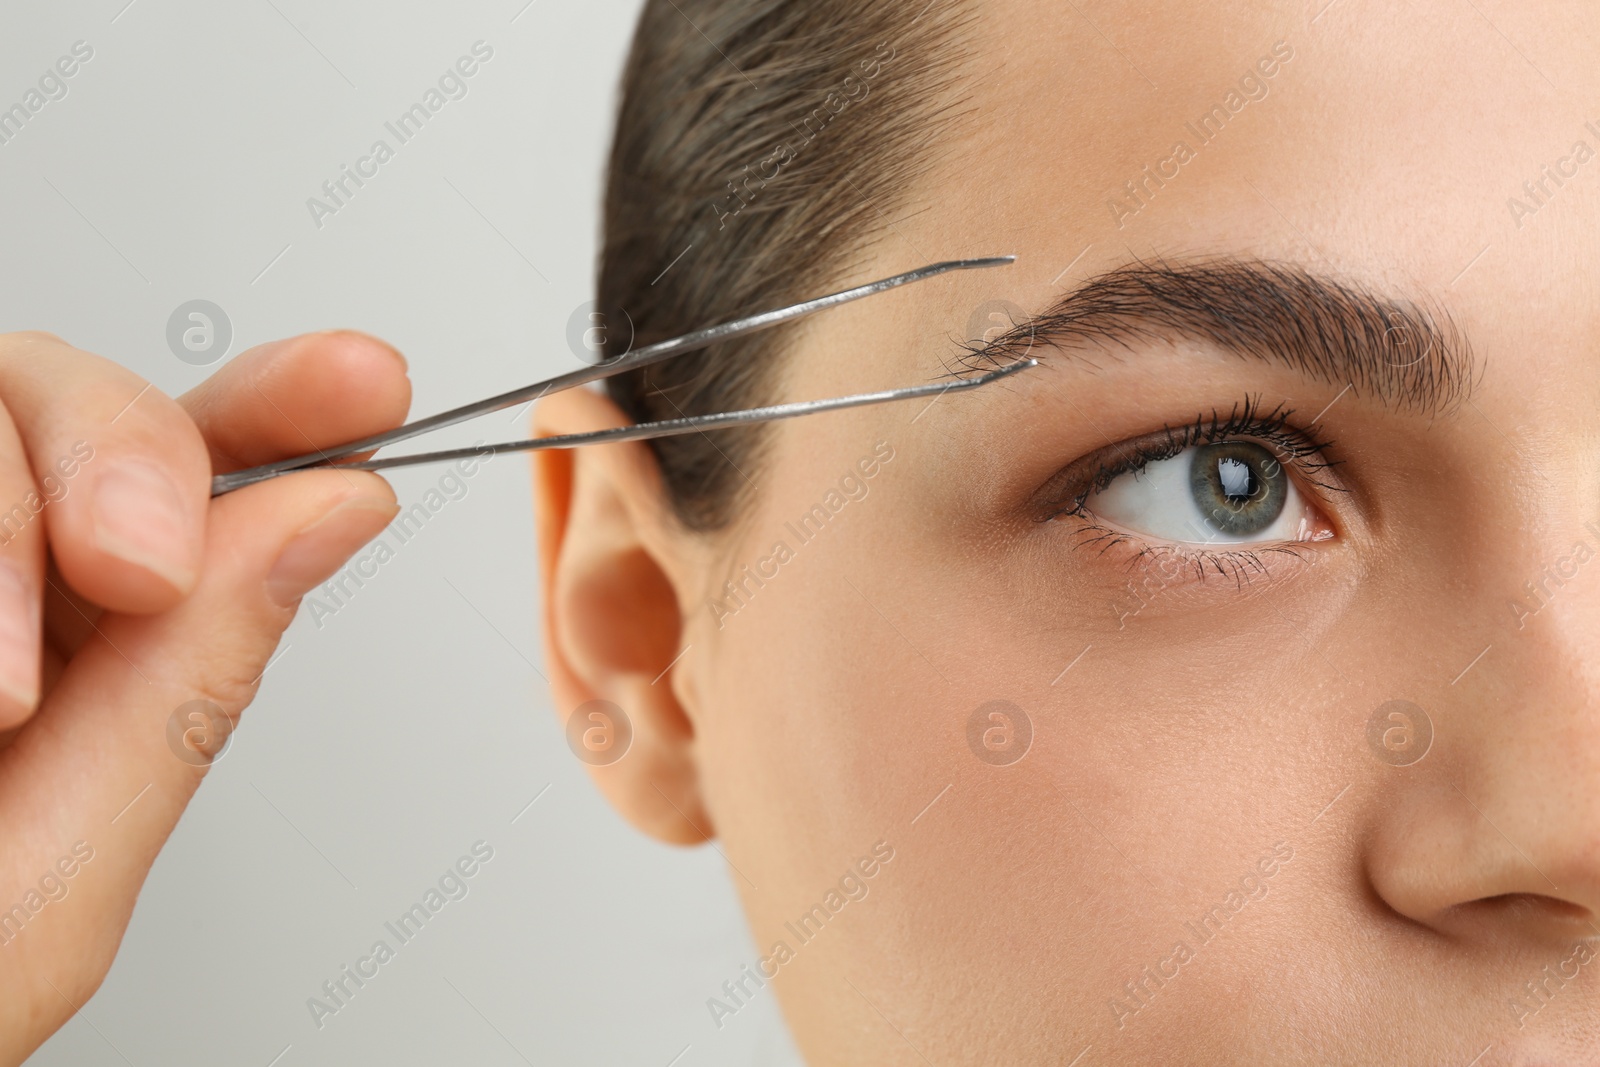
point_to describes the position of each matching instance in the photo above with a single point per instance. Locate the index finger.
(297, 395)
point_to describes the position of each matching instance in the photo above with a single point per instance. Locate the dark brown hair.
(759, 146)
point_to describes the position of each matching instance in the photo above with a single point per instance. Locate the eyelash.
(1305, 450)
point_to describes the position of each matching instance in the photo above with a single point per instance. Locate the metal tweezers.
(631, 360)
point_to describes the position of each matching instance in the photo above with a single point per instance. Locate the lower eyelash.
(1241, 564)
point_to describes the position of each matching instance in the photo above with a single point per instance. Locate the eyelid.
(1079, 478)
(1303, 451)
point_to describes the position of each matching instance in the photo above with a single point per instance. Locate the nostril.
(1539, 906)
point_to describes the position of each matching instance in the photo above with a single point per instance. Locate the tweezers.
(632, 360)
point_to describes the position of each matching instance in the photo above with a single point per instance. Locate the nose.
(1494, 835)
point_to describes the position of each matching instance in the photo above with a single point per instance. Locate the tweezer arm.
(639, 357)
(665, 428)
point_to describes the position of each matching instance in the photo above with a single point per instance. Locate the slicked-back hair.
(759, 146)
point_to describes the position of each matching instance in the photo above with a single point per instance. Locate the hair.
(759, 145)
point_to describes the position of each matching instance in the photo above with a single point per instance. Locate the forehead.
(1439, 150)
(1434, 147)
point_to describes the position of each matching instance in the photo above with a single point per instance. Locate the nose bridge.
(1532, 744)
(1531, 800)
(1507, 806)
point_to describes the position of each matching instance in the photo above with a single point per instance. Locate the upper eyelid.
(1051, 498)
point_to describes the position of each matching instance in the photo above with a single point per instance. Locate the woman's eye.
(1229, 492)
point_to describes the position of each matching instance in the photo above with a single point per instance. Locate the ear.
(613, 623)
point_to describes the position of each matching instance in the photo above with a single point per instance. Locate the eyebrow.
(1408, 353)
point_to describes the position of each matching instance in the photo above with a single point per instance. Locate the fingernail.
(19, 641)
(139, 517)
(322, 548)
(369, 339)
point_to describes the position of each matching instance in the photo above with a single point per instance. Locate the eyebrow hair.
(1407, 353)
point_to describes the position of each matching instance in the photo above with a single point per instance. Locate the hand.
(126, 592)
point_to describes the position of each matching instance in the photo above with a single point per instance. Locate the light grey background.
(413, 721)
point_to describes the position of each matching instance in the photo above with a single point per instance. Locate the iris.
(1239, 486)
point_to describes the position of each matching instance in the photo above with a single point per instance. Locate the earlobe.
(613, 623)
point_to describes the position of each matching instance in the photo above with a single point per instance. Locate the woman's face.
(1277, 751)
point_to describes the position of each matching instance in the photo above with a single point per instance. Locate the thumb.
(102, 737)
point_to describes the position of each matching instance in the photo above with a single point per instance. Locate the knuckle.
(230, 688)
(167, 418)
(222, 665)
(153, 421)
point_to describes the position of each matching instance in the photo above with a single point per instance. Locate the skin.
(1217, 723)
(154, 597)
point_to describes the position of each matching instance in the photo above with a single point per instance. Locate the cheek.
(1052, 830)
(861, 733)
(798, 719)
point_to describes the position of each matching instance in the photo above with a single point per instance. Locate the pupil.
(1239, 488)
(1237, 479)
